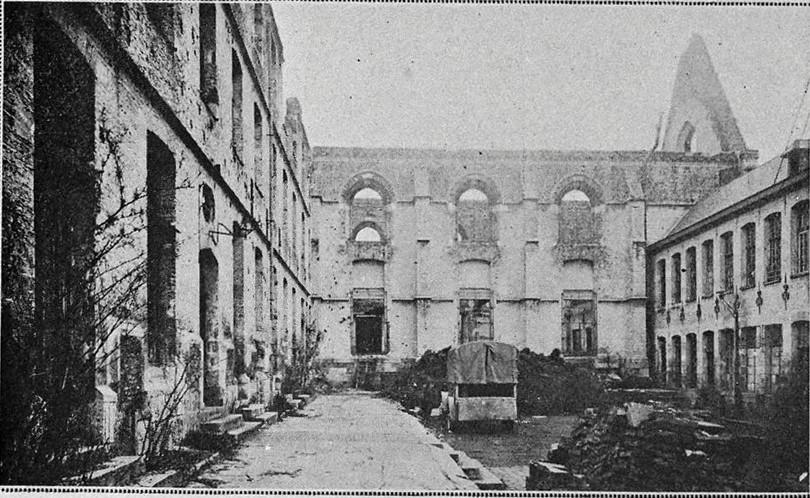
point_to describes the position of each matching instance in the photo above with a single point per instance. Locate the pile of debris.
(644, 447)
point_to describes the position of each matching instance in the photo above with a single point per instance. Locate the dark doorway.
(209, 295)
(369, 326)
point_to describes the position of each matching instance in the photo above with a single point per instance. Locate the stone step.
(118, 471)
(223, 424)
(250, 412)
(244, 430)
(488, 480)
(266, 418)
(470, 466)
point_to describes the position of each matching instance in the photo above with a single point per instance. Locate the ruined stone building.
(424, 249)
(155, 202)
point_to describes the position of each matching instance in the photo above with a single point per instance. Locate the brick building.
(153, 189)
(423, 249)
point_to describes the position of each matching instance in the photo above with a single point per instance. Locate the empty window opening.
(687, 137)
(579, 326)
(368, 234)
(208, 53)
(258, 148)
(238, 247)
(258, 291)
(369, 326)
(474, 217)
(237, 139)
(367, 194)
(576, 196)
(161, 248)
(208, 205)
(577, 222)
(476, 319)
(65, 201)
(209, 297)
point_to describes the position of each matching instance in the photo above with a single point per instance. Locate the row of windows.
(771, 254)
(476, 222)
(761, 356)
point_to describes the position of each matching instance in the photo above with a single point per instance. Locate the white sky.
(532, 76)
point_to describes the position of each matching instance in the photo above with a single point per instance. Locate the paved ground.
(507, 454)
(343, 441)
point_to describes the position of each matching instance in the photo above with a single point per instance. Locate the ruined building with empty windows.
(418, 250)
(155, 208)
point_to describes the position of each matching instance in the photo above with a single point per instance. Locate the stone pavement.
(343, 441)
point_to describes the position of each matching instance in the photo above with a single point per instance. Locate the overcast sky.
(532, 76)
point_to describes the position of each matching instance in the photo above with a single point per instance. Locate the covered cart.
(483, 377)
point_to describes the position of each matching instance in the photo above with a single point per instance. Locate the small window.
(773, 247)
(368, 234)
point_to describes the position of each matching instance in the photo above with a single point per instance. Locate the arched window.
(367, 234)
(576, 219)
(367, 194)
(686, 138)
(474, 217)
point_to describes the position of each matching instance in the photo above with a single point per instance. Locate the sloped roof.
(734, 192)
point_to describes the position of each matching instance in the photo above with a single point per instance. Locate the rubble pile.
(646, 448)
(547, 385)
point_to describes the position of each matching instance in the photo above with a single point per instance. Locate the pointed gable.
(700, 117)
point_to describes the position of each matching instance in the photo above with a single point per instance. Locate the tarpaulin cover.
(482, 362)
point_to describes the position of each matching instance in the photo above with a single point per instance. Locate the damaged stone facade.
(535, 280)
(540, 249)
(195, 175)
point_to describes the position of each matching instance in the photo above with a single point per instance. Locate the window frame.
(773, 248)
(749, 260)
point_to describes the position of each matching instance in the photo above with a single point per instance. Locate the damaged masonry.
(182, 270)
